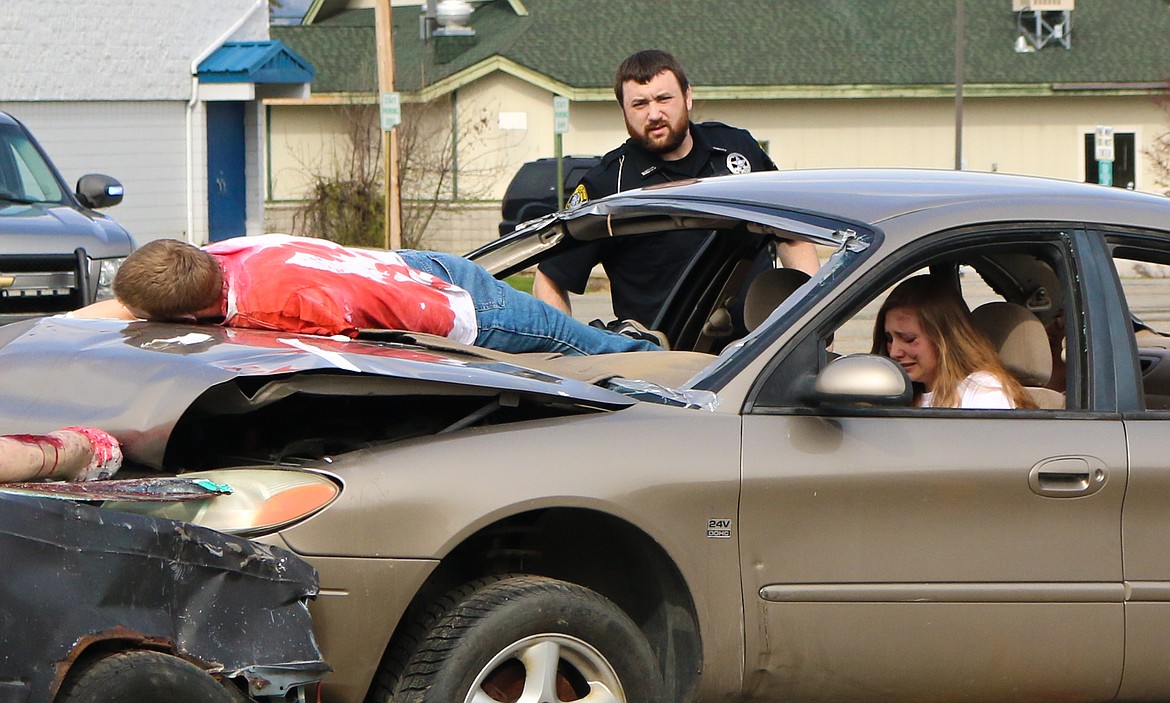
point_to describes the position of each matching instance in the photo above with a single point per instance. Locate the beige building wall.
(512, 123)
(518, 127)
(304, 141)
(1033, 136)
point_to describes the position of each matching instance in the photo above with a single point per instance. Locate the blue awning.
(255, 62)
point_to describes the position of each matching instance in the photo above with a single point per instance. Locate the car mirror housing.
(95, 190)
(861, 380)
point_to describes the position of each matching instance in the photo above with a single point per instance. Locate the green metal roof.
(753, 44)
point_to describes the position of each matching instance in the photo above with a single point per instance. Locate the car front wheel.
(529, 638)
(143, 677)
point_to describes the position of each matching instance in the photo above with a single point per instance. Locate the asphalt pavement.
(591, 306)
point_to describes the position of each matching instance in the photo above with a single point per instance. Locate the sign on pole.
(1103, 143)
(560, 128)
(1103, 146)
(560, 115)
(391, 111)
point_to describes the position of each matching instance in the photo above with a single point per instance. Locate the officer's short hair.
(644, 65)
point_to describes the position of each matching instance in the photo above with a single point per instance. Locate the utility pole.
(960, 59)
(384, 26)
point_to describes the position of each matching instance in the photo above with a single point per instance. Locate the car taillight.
(261, 501)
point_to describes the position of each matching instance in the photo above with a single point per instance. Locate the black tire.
(483, 647)
(142, 677)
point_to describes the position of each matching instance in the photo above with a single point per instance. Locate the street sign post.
(391, 110)
(1103, 146)
(560, 114)
(390, 115)
(560, 127)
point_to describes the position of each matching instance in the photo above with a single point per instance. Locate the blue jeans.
(512, 321)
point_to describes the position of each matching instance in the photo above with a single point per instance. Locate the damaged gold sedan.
(761, 514)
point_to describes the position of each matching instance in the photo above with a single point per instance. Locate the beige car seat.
(767, 291)
(1019, 337)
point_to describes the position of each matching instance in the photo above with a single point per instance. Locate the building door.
(1124, 166)
(226, 187)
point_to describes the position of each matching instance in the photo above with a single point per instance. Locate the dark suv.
(533, 190)
(56, 252)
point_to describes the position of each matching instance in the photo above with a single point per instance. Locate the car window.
(1143, 269)
(1016, 289)
(26, 174)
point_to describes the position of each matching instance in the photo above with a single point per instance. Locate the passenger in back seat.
(927, 328)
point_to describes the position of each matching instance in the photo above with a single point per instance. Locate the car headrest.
(767, 291)
(1019, 337)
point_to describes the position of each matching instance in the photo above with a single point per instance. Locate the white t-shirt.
(981, 390)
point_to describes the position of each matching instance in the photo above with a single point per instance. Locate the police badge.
(738, 163)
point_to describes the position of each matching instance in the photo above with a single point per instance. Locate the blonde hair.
(166, 279)
(948, 325)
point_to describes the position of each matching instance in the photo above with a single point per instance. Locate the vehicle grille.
(42, 284)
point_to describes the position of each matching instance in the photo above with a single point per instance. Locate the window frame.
(777, 389)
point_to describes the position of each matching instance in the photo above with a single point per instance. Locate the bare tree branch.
(346, 202)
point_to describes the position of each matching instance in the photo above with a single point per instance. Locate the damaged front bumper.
(82, 579)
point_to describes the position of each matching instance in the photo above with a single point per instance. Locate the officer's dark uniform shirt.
(643, 269)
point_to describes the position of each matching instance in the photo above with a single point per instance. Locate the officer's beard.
(676, 134)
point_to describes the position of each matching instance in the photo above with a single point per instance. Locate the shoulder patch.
(579, 196)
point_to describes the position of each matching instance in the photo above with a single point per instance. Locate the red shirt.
(313, 286)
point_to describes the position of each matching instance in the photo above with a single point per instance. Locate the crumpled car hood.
(136, 379)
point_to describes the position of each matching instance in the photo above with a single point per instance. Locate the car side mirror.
(97, 191)
(861, 380)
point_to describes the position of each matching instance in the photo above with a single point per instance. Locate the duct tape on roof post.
(391, 111)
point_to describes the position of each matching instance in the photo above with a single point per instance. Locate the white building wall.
(142, 144)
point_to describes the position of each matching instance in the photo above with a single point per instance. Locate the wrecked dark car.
(100, 605)
(760, 514)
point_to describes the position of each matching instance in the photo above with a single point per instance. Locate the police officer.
(664, 145)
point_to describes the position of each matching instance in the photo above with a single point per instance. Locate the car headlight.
(107, 269)
(261, 501)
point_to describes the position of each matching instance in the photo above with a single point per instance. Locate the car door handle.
(1068, 477)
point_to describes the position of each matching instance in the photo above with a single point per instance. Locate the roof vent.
(1041, 22)
(446, 18)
